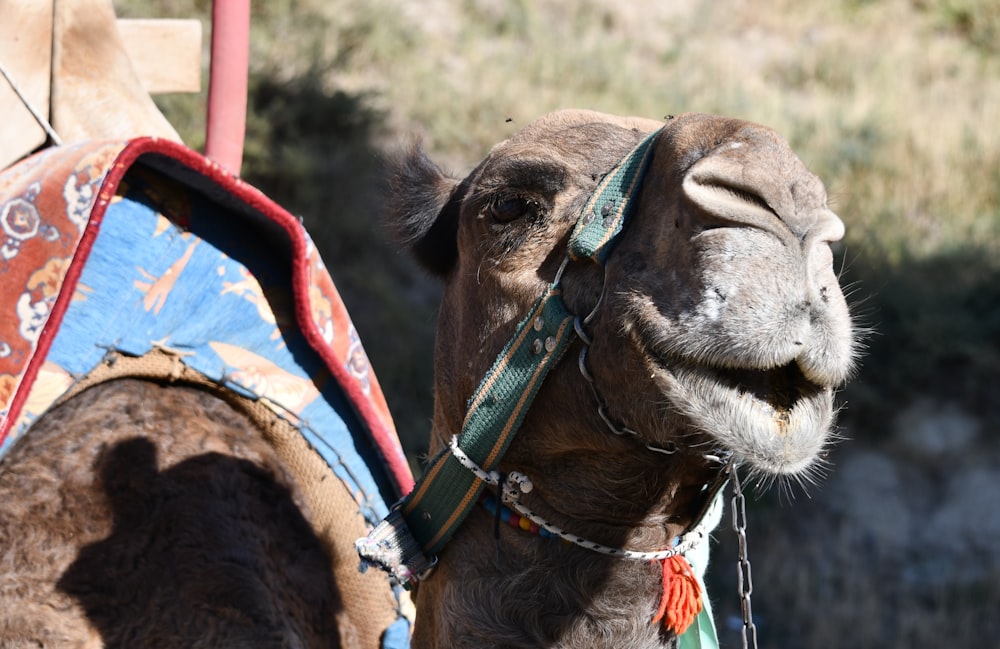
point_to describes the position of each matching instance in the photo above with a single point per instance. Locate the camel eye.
(510, 208)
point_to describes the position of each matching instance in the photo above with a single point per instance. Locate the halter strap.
(440, 502)
(610, 206)
(405, 544)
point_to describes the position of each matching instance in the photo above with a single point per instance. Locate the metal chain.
(513, 484)
(667, 448)
(744, 581)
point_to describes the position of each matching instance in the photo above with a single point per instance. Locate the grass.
(894, 103)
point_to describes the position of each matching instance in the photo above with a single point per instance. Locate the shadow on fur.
(200, 551)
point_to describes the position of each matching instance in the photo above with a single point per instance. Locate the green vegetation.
(894, 103)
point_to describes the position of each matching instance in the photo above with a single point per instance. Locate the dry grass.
(894, 103)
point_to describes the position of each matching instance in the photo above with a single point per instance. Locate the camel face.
(717, 322)
(741, 319)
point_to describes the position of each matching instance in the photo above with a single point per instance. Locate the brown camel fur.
(721, 328)
(155, 516)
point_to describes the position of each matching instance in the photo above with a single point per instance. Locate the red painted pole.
(227, 86)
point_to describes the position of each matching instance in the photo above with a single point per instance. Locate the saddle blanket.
(126, 248)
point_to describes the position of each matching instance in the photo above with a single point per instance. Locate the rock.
(931, 430)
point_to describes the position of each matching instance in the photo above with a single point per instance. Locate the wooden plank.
(26, 55)
(95, 92)
(165, 53)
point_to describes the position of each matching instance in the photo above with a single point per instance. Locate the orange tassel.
(681, 601)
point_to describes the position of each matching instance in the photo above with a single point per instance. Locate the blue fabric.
(148, 283)
(397, 636)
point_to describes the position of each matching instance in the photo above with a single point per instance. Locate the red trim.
(381, 432)
(225, 127)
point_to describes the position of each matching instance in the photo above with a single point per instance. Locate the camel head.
(718, 321)
(710, 330)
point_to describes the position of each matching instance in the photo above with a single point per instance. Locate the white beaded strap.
(517, 483)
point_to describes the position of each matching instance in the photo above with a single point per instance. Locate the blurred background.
(894, 103)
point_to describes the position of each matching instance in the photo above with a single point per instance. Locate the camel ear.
(423, 207)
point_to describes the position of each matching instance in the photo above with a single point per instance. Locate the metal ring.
(600, 299)
(666, 450)
(425, 573)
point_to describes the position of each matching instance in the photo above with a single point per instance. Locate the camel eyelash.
(506, 208)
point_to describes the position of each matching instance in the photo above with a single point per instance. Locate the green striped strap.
(610, 205)
(448, 490)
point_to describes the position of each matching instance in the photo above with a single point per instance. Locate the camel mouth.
(780, 388)
(776, 420)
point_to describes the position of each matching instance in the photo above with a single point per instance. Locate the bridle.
(407, 541)
(515, 483)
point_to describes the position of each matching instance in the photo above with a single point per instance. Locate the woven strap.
(432, 512)
(610, 206)
(405, 544)
(495, 414)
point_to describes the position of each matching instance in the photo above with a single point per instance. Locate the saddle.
(141, 258)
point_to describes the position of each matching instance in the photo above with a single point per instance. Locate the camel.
(152, 499)
(121, 512)
(714, 333)
(145, 501)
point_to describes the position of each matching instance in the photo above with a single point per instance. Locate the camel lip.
(781, 388)
(775, 419)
